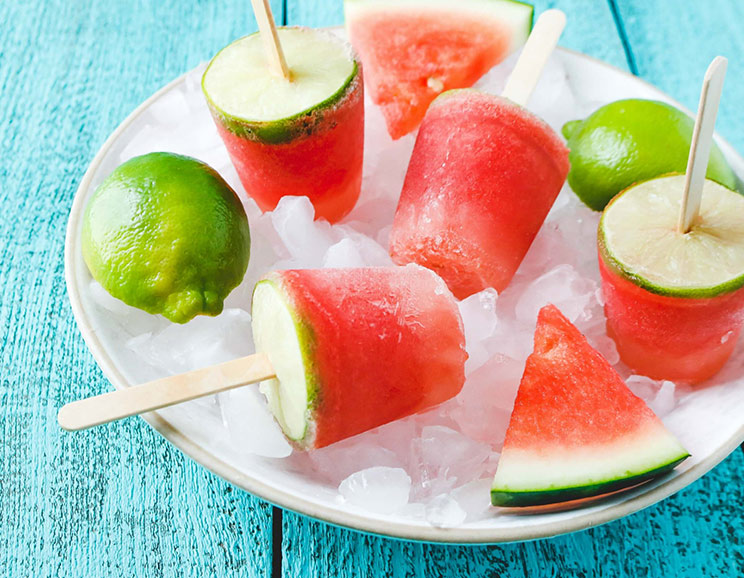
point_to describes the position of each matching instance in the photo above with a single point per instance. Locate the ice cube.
(661, 396)
(396, 436)
(485, 403)
(644, 387)
(356, 250)
(446, 459)
(130, 321)
(664, 401)
(385, 160)
(474, 498)
(548, 249)
(413, 511)
(192, 82)
(306, 240)
(252, 428)
(443, 511)
(145, 140)
(479, 318)
(606, 346)
(552, 99)
(383, 236)
(171, 108)
(160, 136)
(338, 461)
(201, 342)
(512, 338)
(563, 287)
(370, 216)
(382, 490)
(495, 80)
(578, 226)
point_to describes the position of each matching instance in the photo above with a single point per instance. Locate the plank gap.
(620, 25)
(277, 538)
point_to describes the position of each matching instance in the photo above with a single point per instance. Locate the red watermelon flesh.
(413, 50)
(576, 430)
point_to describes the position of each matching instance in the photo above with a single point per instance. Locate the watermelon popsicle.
(340, 351)
(483, 176)
(672, 262)
(354, 349)
(301, 135)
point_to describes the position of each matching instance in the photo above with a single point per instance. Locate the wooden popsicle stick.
(537, 49)
(161, 393)
(702, 141)
(272, 46)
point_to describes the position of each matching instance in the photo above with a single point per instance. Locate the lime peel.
(166, 234)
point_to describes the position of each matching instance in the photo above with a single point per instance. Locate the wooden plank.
(118, 500)
(674, 42)
(590, 27)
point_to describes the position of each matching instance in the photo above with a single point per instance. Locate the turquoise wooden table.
(119, 500)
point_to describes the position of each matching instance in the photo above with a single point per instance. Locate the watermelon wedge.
(413, 50)
(576, 430)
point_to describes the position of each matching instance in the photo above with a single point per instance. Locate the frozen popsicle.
(483, 176)
(340, 351)
(354, 349)
(671, 255)
(299, 135)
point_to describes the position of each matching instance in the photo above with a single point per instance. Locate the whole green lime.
(629, 141)
(165, 233)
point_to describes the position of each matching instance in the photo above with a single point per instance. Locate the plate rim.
(351, 519)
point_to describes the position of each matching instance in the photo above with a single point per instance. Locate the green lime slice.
(278, 332)
(638, 238)
(251, 101)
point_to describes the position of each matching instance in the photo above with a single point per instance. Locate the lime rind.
(570, 128)
(300, 124)
(635, 275)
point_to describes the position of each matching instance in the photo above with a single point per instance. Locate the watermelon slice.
(413, 50)
(576, 430)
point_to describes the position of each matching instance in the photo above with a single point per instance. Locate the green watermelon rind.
(506, 498)
(307, 339)
(627, 273)
(286, 129)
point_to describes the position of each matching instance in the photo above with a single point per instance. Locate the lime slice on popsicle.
(252, 101)
(277, 328)
(639, 240)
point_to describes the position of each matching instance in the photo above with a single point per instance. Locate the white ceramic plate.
(709, 422)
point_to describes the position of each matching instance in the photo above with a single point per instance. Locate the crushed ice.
(434, 466)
